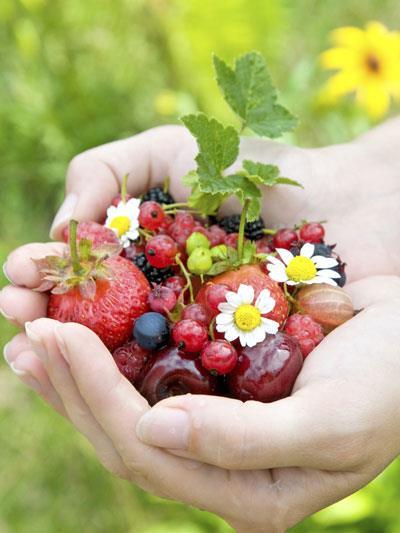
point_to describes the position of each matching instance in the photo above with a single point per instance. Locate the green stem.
(168, 207)
(76, 266)
(123, 188)
(186, 276)
(166, 184)
(241, 230)
(211, 329)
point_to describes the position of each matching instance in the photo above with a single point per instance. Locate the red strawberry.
(254, 276)
(96, 288)
(93, 231)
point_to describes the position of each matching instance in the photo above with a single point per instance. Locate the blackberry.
(157, 194)
(252, 230)
(154, 275)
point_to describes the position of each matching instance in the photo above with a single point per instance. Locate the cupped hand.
(354, 188)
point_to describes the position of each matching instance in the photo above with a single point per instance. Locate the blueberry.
(152, 331)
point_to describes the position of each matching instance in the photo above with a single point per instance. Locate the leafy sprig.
(248, 89)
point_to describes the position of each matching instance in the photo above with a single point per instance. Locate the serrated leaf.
(261, 173)
(205, 202)
(219, 267)
(249, 91)
(289, 181)
(218, 145)
(249, 251)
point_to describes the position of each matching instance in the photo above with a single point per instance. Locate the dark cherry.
(172, 373)
(267, 371)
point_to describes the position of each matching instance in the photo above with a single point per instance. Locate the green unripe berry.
(199, 261)
(219, 252)
(196, 240)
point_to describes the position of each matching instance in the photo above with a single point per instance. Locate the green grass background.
(76, 74)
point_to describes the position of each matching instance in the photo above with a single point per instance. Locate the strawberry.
(93, 231)
(254, 276)
(96, 288)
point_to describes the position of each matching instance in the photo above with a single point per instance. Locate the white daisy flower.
(242, 319)
(305, 268)
(124, 220)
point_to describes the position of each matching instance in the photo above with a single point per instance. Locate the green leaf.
(249, 251)
(263, 174)
(289, 181)
(218, 145)
(249, 91)
(218, 268)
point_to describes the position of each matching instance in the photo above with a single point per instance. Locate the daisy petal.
(264, 302)
(324, 262)
(246, 293)
(224, 318)
(277, 273)
(328, 281)
(307, 250)
(274, 260)
(232, 333)
(270, 326)
(329, 273)
(224, 307)
(259, 333)
(233, 298)
(244, 340)
(285, 254)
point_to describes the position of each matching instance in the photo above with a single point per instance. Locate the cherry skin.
(171, 373)
(284, 238)
(196, 312)
(176, 283)
(312, 232)
(267, 371)
(151, 215)
(219, 356)
(161, 251)
(189, 335)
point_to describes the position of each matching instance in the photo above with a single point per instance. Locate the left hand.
(263, 467)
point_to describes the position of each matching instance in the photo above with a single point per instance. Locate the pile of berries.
(163, 288)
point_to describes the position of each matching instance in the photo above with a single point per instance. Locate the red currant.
(162, 299)
(196, 312)
(185, 220)
(189, 335)
(231, 239)
(176, 283)
(166, 223)
(219, 356)
(216, 235)
(116, 200)
(161, 251)
(151, 215)
(312, 232)
(215, 295)
(179, 234)
(284, 238)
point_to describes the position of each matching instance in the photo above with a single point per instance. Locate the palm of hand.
(304, 452)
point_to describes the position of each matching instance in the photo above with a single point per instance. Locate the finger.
(20, 305)
(374, 289)
(20, 267)
(43, 343)
(94, 177)
(25, 364)
(308, 429)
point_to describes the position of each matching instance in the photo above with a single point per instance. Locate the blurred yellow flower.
(368, 62)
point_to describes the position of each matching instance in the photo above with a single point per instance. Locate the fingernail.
(7, 316)
(6, 275)
(6, 353)
(60, 343)
(164, 427)
(26, 377)
(64, 213)
(36, 341)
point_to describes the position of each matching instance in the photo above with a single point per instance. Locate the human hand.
(91, 180)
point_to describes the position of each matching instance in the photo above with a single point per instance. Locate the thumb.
(94, 177)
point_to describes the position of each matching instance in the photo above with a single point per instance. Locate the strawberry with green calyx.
(95, 287)
(249, 91)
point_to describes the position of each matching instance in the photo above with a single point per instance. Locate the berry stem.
(211, 329)
(241, 229)
(292, 301)
(166, 184)
(269, 231)
(76, 266)
(124, 187)
(186, 276)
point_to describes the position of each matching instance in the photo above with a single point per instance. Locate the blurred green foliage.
(77, 74)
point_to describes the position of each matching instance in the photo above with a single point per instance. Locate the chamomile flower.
(124, 220)
(241, 318)
(305, 268)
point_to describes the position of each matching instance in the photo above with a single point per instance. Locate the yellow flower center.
(373, 64)
(301, 269)
(247, 317)
(121, 224)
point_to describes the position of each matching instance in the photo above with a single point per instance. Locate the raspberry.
(284, 238)
(131, 359)
(231, 240)
(156, 275)
(216, 235)
(161, 251)
(305, 330)
(176, 283)
(157, 194)
(195, 312)
(151, 215)
(252, 230)
(162, 299)
(312, 232)
(189, 335)
(219, 356)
